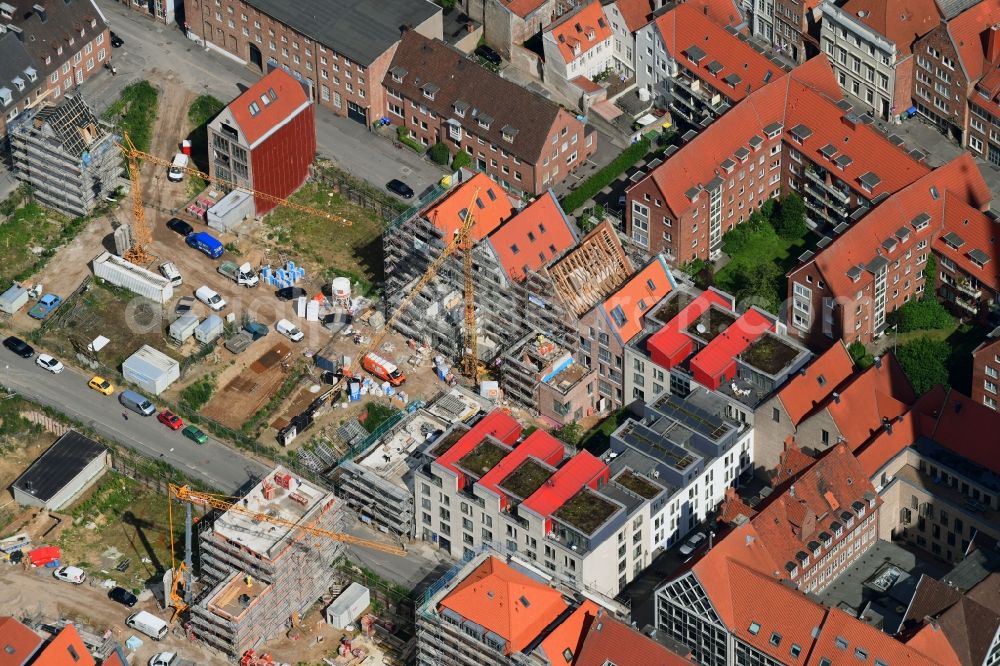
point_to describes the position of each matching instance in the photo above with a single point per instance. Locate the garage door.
(357, 112)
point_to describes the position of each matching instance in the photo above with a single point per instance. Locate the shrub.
(859, 354)
(607, 175)
(921, 315)
(462, 159)
(377, 414)
(135, 112)
(790, 218)
(925, 362)
(403, 135)
(571, 433)
(198, 394)
(439, 153)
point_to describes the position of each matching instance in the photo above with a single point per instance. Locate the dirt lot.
(248, 385)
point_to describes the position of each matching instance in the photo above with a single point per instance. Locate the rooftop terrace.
(483, 458)
(640, 485)
(449, 440)
(526, 478)
(566, 378)
(672, 307)
(586, 511)
(770, 354)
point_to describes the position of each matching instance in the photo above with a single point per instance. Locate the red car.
(171, 420)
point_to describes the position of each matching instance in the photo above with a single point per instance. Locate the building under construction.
(259, 576)
(66, 154)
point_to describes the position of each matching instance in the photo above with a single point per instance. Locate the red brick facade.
(940, 87)
(986, 374)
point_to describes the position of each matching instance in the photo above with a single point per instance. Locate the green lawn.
(27, 239)
(135, 112)
(770, 254)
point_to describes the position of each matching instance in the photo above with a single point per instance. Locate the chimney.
(993, 43)
(878, 362)
(836, 397)
(40, 11)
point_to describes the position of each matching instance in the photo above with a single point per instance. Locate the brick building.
(870, 45)
(950, 60)
(518, 137)
(796, 29)
(340, 49)
(986, 371)
(48, 50)
(509, 23)
(164, 11)
(265, 139)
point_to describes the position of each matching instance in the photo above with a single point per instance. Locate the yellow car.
(101, 385)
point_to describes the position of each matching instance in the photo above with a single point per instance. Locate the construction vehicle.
(181, 588)
(244, 275)
(382, 368)
(138, 254)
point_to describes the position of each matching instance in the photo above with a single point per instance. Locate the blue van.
(206, 243)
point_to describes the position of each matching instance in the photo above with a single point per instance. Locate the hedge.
(403, 135)
(588, 188)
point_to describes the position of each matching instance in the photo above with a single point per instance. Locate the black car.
(288, 293)
(19, 347)
(489, 55)
(180, 226)
(123, 596)
(397, 186)
(116, 41)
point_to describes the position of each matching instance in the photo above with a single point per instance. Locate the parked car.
(169, 659)
(210, 297)
(19, 347)
(49, 363)
(694, 543)
(489, 55)
(44, 307)
(73, 575)
(123, 596)
(195, 434)
(256, 329)
(169, 419)
(169, 271)
(101, 385)
(180, 226)
(290, 293)
(205, 243)
(116, 41)
(289, 330)
(397, 186)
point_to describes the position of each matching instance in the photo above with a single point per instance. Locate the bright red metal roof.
(538, 444)
(581, 470)
(670, 345)
(498, 424)
(717, 361)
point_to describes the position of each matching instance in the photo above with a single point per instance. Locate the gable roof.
(957, 628)
(869, 398)
(978, 254)
(268, 105)
(814, 384)
(842, 628)
(625, 307)
(590, 271)
(17, 642)
(486, 96)
(931, 639)
(17, 63)
(567, 637)
(886, 444)
(491, 207)
(965, 31)
(724, 12)
(582, 28)
(534, 237)
(635, 13)
(65, 648)
(608, 640)
(690, 35)
(792, 461)
(522, 7)
(947, 417)
(63, 21)
(507, 602)
(899, 21)
(359, 29)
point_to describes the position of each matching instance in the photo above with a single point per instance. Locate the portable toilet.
(209, 329)
(183, 327)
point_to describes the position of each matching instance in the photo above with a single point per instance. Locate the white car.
(49, 363)
(70, 575)
(210, 298)
(693, 544)
(167, 659)
(289, 330)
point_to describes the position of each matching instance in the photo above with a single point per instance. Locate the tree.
(925, 362)
(922, 315)
(790, 218)
(859, 354)
(930, 276)
(756, 284)
(460, 160)
(571, 433)
(439, 153)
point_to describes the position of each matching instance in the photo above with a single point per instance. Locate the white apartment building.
(579, 44)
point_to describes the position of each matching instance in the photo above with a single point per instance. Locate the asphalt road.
(151, 46)
(214, 463)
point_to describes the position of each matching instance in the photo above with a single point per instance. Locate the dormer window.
(484, 121)
(979, 258)
(460, 108)
(93, 23)
(508, 133)
(430, 90)
(58, 50)
(397, 74)
(576, 49)
(82, 32)
(18, 83)
(591, 35)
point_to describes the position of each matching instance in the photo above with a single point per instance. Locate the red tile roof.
(523, 7)
(671, 344)
(635, 13)
(17, 642)
(567, 637)
(539, 444)
(947, 417)
(610, 641)
(716, 363)
(533, 237)
(733, 506)
(977, 232)
(804, 392)
(278, 98)
(887, 444)
(625, 307)
(874, 643)
(508, 603)
(931, 640)
(580, 30)
(492, 206)
(965, 31)
(685, 26)
(791, 462)
(498, 424)
(899, 21)
(723, 12)
(877, 393)
(582, 470)
(66, 648)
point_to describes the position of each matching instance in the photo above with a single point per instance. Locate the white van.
(148, 624)
(289, 330)
(169, 271)
(209, 297)
(177, 167)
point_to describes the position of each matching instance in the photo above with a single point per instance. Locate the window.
(754, 628)
(775, 639)
(775, 415)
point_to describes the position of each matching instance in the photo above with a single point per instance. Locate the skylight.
(754, 628)
(618, 315)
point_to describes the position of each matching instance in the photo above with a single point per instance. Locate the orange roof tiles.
(723, 12)
(931, 640)
(625, 307)
(873, 643)
(965, 30)
(523, 7)
(580, 30)
(899, 21)
(791, 462)
(539, 444)
(492, 206)
(66, 648)
(533, 237)
(568, 635)
(685, 26)
(277, 98)
(17, 642)
(582, 470)
(733, 506)
(874, 395)
(635, 13)
(977, 232)
(495, 595)
(609, 641)
(806, 390)
(887, 444)
(947, 417)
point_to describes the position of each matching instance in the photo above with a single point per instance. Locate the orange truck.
(383, 369)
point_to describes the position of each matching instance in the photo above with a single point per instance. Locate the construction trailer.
(259, 576)
(67, 154)
(136, 279)
(151, 370)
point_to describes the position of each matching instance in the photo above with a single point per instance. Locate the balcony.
(969, 306)
(967, 289)
(818, 176)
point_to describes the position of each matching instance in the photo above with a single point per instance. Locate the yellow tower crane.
(141, 235)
